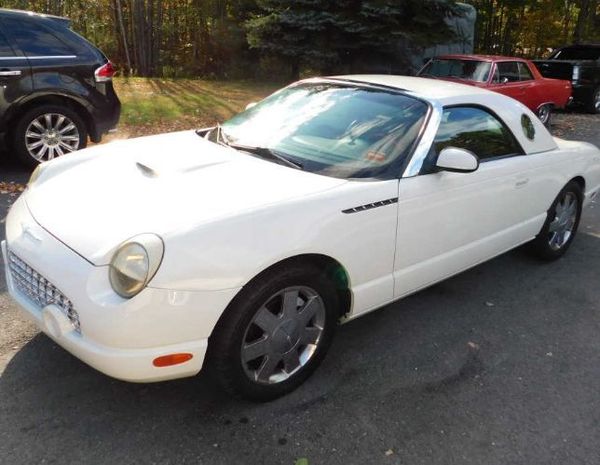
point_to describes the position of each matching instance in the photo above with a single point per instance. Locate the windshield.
(471, 70)
(577, 53)
(338, 130)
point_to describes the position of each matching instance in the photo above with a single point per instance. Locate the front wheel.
(46, 132)
(274, 334)
(561, 225)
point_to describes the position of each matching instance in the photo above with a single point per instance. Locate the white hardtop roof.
(447, 93)
(430, 88)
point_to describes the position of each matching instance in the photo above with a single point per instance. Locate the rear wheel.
(561, 225)
(46, 132)
(594, 103)
(274, 334)
(544, 113)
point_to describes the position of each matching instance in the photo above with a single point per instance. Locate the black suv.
(579, 64)
(55, 87)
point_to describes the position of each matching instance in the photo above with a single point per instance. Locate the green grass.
(155, 105)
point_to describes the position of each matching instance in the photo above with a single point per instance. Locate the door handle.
(521, 182)
(16, 72)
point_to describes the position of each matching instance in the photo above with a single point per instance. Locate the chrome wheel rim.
(51, 135)
(544, 113)
(283, 335)
(563, 224)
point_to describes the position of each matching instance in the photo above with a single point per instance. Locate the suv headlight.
(135, 263)
(576, 72)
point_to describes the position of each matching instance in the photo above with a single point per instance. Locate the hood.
(95, 199)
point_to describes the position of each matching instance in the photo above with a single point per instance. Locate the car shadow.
(445, 358)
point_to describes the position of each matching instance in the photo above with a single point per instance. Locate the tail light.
(105, 73)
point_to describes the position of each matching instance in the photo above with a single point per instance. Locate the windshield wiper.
(263, 152)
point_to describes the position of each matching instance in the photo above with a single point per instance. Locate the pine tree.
(348, 35)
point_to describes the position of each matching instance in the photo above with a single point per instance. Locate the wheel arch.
(334, 270)
(579, 180)
(53, 99)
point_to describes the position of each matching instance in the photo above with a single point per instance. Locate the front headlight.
(576, 72)
(135, 263)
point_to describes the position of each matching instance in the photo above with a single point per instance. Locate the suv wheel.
(46, 132)
(594, 105)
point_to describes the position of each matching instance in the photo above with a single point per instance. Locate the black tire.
(593, 105)
(544, 114)
(542, 246)
(224, 357)
(19, 140)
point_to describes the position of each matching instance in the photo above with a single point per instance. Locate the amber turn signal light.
(171, 359)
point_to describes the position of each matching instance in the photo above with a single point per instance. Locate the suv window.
(34, 39)
(5, 49)
(524, 72)
(508, 70)
(577, 53)
(476, 130)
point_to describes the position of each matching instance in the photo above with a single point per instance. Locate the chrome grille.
(39, 290)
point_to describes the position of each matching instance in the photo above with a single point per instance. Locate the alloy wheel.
(283, 335)
(51, 135)
(544, 113)
(562, 226)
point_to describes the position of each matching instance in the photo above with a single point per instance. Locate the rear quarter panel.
(552, 170)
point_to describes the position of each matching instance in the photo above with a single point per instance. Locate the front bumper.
(118, 337)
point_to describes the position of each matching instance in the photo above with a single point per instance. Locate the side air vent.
(370, 206)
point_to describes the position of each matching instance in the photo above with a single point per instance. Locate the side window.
(476, 130)
(509, 71)
(5, 49)
(34, 39)
(524, 72)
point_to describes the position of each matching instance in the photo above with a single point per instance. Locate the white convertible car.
(239, 248)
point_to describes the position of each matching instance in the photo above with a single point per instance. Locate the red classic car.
(515, 77)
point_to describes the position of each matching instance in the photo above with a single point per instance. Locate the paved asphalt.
(499, 365)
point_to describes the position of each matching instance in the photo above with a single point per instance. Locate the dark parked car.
(580, 64)
(55, 87)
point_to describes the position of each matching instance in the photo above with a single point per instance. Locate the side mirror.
(250, 105)
(504, 80)
(457, 160)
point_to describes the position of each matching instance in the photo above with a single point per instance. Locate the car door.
(448, 222)
(529, 87)
(15, 75)
(507, 80)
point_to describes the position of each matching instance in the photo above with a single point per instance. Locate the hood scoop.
(146, 170)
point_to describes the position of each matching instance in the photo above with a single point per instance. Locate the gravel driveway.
(499, 365)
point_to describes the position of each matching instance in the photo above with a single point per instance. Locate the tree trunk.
(121, 27)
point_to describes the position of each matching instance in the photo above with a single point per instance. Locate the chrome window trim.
(422, 150)
(41, 57)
